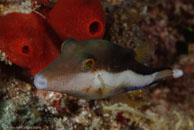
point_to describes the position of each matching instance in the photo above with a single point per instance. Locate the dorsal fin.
(67, 41)
(142, 52)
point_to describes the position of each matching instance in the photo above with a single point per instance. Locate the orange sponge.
(78, 19)
(26, 41)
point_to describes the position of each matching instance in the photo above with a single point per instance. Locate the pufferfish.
(98, 69)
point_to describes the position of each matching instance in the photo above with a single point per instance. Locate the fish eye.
(88, 64)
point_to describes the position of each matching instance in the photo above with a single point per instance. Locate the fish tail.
(165, 74)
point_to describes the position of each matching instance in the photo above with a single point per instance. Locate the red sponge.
(26, 41)
(78, 19)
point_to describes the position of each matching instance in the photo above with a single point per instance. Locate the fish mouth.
(40, 82)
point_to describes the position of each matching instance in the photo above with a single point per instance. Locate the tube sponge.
(78, 19)
(26, 41)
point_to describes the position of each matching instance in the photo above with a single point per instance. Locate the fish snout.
(40, 82)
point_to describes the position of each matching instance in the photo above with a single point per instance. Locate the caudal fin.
(164, 74)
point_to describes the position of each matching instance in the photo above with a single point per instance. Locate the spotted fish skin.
(114, 70)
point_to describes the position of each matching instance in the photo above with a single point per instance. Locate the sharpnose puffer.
(97, 69)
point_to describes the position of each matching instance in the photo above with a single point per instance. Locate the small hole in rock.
(94, 27)
(25, 49)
